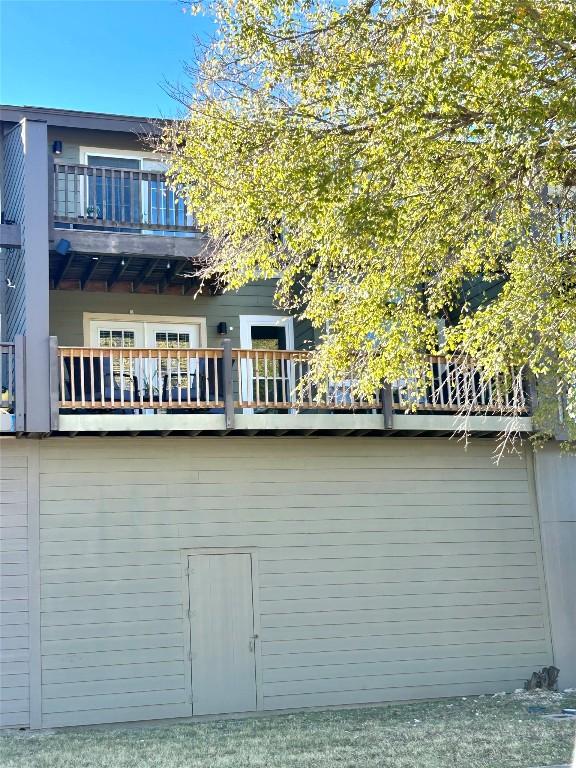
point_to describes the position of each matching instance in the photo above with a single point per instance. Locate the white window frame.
(247, 322)
(148, 323)
(125, 154)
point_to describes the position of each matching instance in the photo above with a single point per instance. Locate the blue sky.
(95, 55)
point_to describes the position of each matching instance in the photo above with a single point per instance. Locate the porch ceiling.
(123, 274)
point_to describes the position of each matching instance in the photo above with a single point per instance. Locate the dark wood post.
(387, 406)
(228, 383)
(532, 393)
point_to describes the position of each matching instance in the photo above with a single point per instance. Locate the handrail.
(139, 378)
(129, 199)
(113, 378)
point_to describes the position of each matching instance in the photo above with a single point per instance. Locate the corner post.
(228, 384)
(387, 406)
(54, 384)
(20, 383)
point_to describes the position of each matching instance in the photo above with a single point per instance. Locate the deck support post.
(387, 406)
(54, 383)
(19, 383)
(228, 383)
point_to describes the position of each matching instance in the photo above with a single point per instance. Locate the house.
(179, 535)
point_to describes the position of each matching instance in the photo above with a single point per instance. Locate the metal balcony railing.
(119, 199)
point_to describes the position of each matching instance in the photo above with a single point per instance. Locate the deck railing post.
(54, 383)
(532, 393)
(20, 383)
(387, 406)
(227, 384)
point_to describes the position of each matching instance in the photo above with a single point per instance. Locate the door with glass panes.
(155, 377)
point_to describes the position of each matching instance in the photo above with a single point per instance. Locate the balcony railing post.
(54, 383)
(227, 383)
(532, 393)
(387, 406)
(20, 383)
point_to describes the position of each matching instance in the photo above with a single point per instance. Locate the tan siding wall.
(67, 308)
(14, 640)
(389, 569)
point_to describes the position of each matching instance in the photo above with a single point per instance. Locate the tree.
(385, 157)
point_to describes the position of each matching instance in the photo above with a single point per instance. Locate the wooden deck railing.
(263, 380)
(118, 198)
(128, 378)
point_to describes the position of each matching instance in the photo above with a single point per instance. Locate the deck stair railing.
(122, 199)
(262, 380)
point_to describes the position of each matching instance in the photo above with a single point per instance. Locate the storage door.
(222, 634)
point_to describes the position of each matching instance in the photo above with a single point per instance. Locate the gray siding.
(67, 308)
(14, 639)
(13, 208)
(389, 569)
(73, 138)
(556, 485)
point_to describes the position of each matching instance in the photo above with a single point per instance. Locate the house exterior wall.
(67, 308)
(18, 463)
(556, 487)
(389, 569)
(74, 138)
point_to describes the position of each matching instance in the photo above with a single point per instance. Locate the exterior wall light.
(222, 328)
(57, 147)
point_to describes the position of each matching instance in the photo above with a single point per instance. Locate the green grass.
(482, 732)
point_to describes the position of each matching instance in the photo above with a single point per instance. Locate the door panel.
(222, 634)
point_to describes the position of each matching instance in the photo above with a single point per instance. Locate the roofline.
(68, 118)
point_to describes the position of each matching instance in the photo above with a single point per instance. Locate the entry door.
(222, 636)
(266, 382)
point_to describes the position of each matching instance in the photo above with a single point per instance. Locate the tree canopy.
(383, 158)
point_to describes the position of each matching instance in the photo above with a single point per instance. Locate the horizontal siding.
(388, 570)
(67, 308)
(14, 632)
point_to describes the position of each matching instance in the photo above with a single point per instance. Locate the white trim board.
(247, 322)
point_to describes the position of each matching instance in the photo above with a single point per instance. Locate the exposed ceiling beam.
(144, 274)
(63, 269)
(171, 274)
(118, 272)
(193, 285)
(89, 272)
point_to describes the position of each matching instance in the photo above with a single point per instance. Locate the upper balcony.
(118, 211)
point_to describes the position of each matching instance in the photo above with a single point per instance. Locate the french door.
(154, 375)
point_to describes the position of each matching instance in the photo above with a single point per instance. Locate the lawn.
(478, 732)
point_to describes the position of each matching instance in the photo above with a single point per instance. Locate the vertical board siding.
(388, 569)
(14, 632)
(13, 208)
